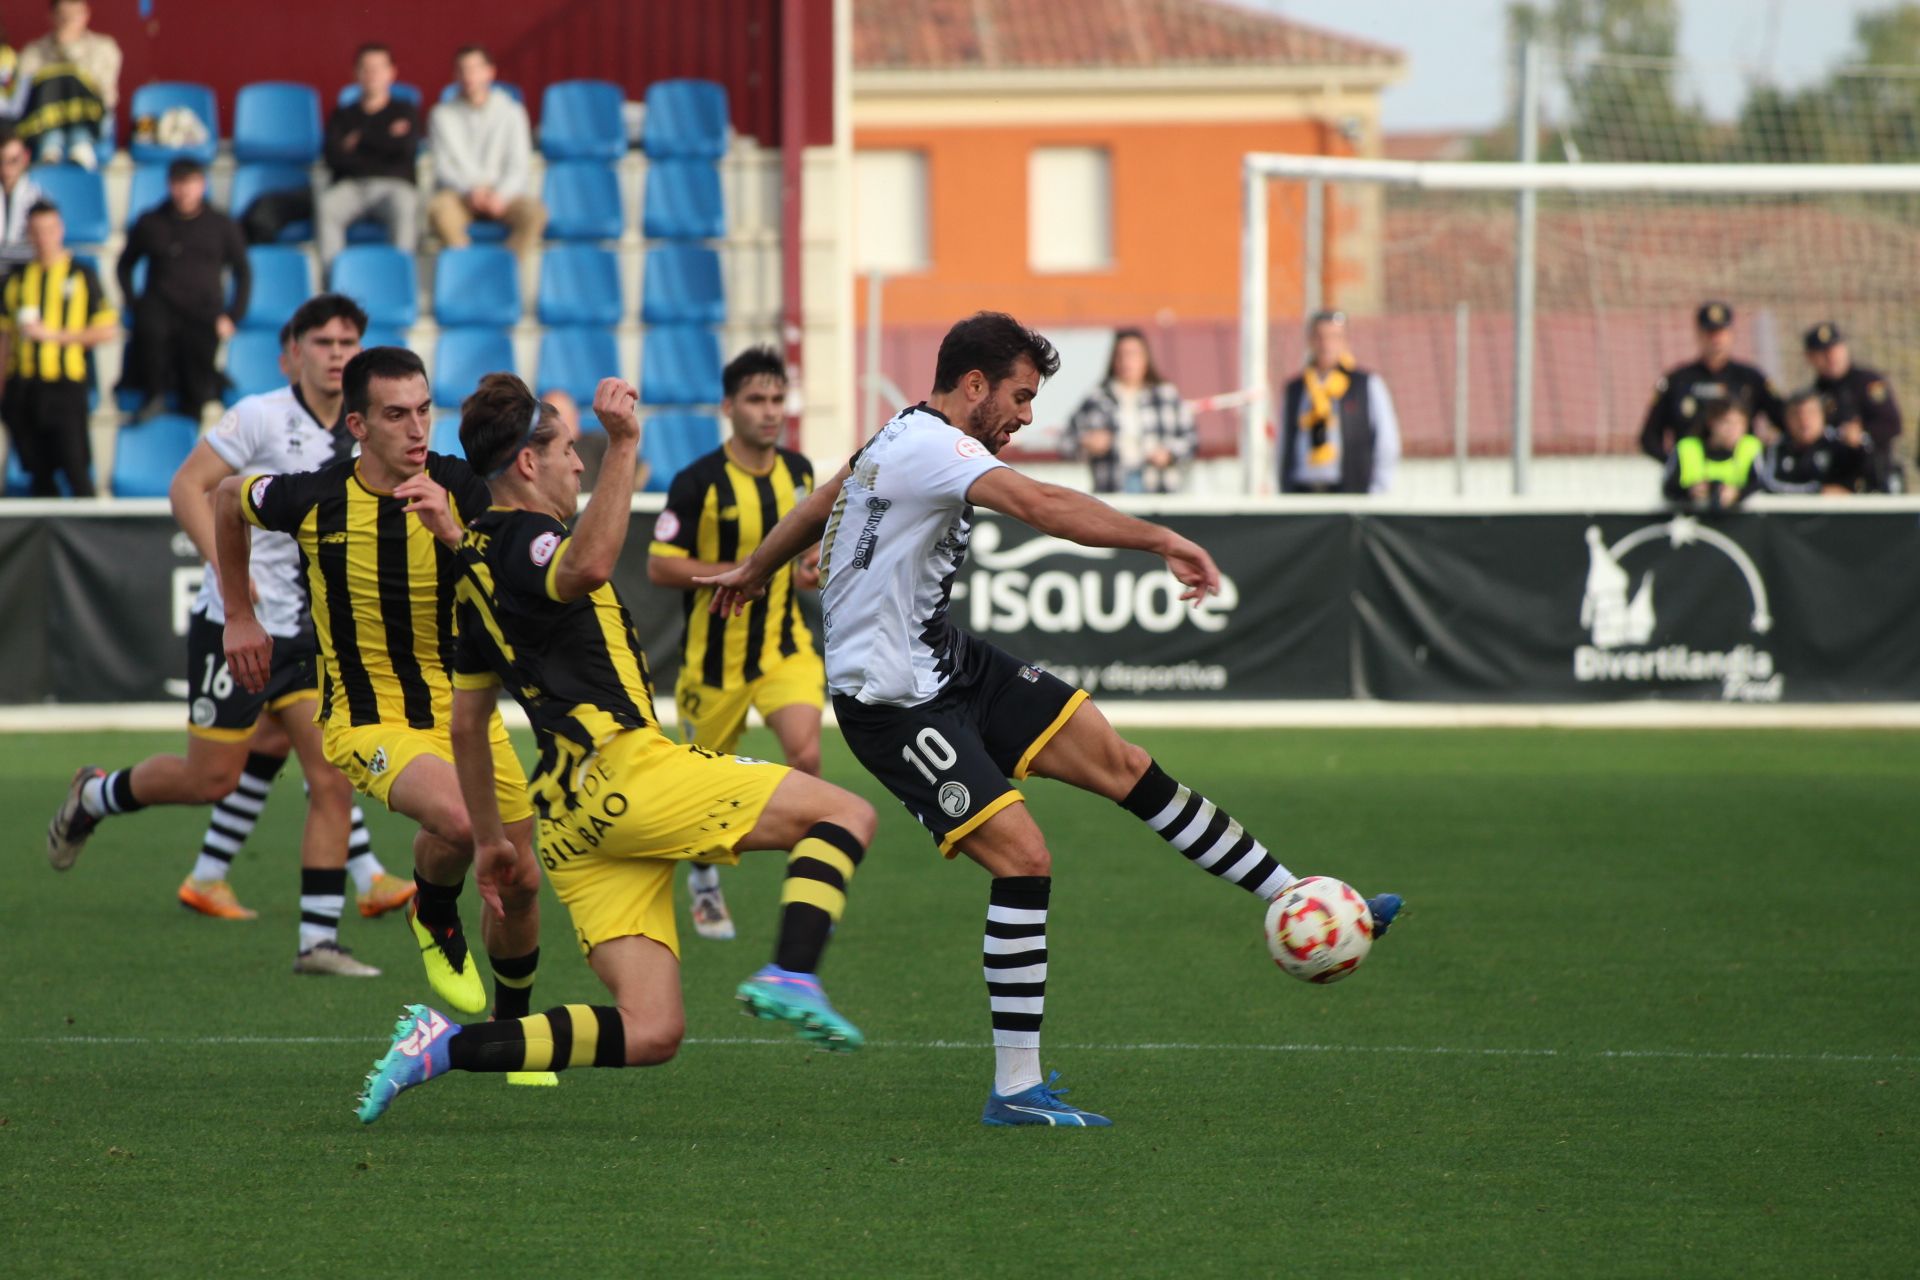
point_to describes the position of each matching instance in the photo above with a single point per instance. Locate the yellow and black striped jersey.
(67, 296)
(576, 666)
(717, 510)
(381, 586)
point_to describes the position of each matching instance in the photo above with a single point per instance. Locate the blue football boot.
(1040, 1104)
(418, 1053)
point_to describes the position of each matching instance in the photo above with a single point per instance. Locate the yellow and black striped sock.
(574, 1035)
(814, 894)
(513, 984)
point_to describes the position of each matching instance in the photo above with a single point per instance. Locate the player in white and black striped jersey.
(945, 719)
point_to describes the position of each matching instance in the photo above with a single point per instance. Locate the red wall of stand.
(228, 43)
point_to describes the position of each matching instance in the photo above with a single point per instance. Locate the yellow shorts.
(644, 804)
(373, 755)
(715, 718)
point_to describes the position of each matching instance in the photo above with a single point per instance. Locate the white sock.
(1015, 963)
(323, 896)
(703, 875)
(1015, 1068)
(209, 868)
(93, 796)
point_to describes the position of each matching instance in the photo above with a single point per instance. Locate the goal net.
(1793, 215)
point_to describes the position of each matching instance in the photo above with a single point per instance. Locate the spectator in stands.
(483, 160)
(66, 85)
(1681, 398)
(1715, 471)
(18, 193)
(1338, 430)
(1133, 429)
(55, 314)
(1859, 403)
(371, 147)
(1811, 457)
(183, 315)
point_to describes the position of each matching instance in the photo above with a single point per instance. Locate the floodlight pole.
(1526, 209)
(1253, 325)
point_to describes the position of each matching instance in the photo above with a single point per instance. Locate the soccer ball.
(1319, 930)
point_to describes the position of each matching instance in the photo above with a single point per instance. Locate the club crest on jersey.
(258, 493)
(954, 799)
(202, 713)
(667, 527)
(378, 764)
(543, 547)
(229, 422)
(968, 447)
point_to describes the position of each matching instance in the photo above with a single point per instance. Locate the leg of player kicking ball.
(1087, 753)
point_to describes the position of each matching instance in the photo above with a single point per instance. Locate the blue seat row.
(679, 364)
(668, 442)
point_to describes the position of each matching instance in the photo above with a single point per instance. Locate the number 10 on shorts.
(936, 754)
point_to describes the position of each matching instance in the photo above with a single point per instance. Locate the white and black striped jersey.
(896, 538)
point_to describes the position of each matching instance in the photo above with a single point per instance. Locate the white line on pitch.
(1407, 1050)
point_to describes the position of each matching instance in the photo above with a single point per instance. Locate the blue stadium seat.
(683, 286)
(669, 441)
(445, 437)
(404, 92)
(583, 120)
(160, 97)
(82, 197)
(686, 120)
(253, 363)
(18, 482)
(276, 122)
(680, 364)
(462, 356)
(148, 191)
(479, 285)
(146, 454)
(583, 201)
(282, 280)
(381, 279)
(452, 91)
(575, 359)
(251, 181)
(580, 284)
(683, 201)
(379, 335)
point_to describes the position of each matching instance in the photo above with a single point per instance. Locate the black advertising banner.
(1112, 621)
(1565, 608)
(1756, 607)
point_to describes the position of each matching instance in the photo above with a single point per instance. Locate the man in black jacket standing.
(1681, 398)
(183, 314)
(372, 145)
(1858, 402)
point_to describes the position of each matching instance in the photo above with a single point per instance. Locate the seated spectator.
(66, 86)
(1133, 429)
(1338, 430)
(371, 145)
(18, 193)
(483, 160)
(1813, 457)
(183, 315)
(55, 314)
(1858, 401)
(1716, 471)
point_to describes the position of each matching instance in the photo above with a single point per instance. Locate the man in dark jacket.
(183, 314)
(1682, 397)
(1859, 403)
(1338, 429)
(372, 143)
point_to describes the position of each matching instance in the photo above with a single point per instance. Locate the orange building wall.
(1176, 223)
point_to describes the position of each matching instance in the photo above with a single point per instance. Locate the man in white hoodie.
(482, 160)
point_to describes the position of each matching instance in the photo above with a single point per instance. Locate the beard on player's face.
(988, 423)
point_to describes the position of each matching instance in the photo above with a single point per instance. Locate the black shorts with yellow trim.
(218, 709)
(949, 761)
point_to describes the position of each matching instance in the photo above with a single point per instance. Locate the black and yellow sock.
(513, 984)
(574, 1035)
(814, 894)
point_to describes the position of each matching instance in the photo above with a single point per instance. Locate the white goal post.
(1526, 181)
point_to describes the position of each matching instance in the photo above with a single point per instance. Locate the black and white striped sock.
(323, 896)
(1015, 957)
(1205, 834)
(235, 816)
(362, 864)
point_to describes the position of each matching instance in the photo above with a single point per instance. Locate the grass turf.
(1652, 1013)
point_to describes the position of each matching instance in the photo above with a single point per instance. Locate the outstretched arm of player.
(493, 852)
(601, 530)
(799, 529)
(1070, 514)
(249, 647)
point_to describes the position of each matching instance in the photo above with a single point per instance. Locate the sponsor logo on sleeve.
(968, 447)
(667, 527)
(543, 548)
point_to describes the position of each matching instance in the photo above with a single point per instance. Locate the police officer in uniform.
(1681, 398)
(1859, 403)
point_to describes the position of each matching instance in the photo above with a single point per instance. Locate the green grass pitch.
(1652, 1013)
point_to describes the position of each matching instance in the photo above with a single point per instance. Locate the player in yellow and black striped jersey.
(619, 802)
(717, 511)
(55, 314)
(376, 534)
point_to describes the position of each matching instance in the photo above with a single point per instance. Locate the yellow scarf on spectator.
(1321, 395)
